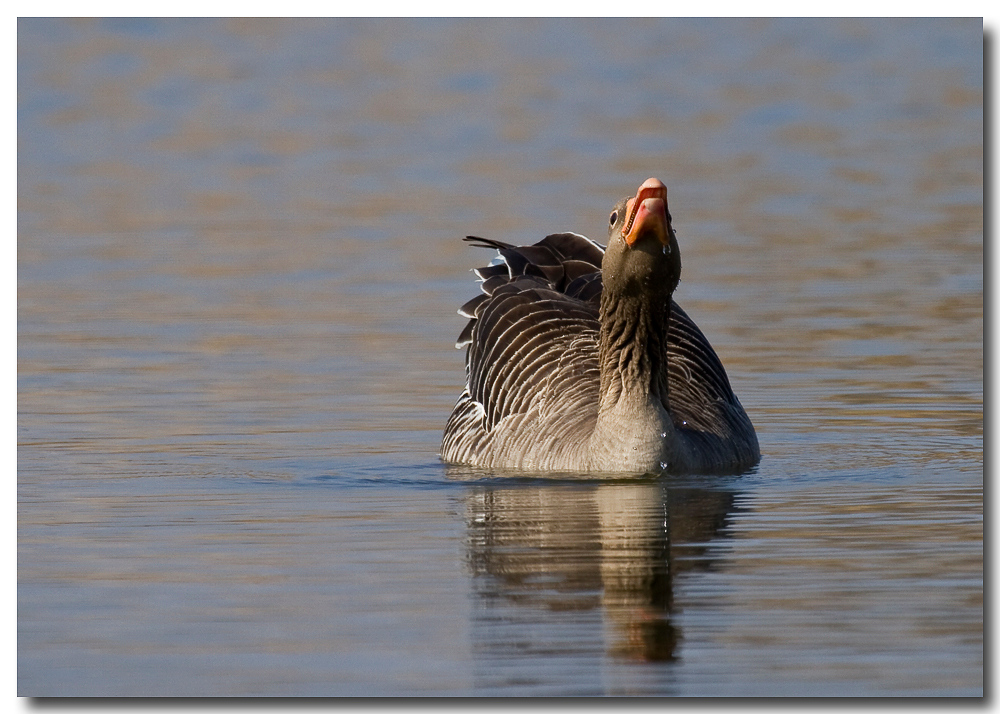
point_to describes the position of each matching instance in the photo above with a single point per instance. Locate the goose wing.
(702, 401)
(531, 358)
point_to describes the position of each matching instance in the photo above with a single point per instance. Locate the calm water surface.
(239, 261)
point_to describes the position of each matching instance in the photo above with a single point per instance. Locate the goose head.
(642, 255)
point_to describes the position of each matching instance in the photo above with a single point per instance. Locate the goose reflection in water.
(547, 558)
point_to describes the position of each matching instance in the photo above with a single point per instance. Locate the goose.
(579, 360)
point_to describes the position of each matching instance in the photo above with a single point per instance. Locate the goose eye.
(614, 217)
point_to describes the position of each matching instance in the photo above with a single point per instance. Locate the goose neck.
(633, 350)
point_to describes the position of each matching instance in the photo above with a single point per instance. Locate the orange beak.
(647, 213)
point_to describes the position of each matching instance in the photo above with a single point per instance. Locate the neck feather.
(633, 348)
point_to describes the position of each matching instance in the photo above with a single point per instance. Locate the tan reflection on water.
(611, 548)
